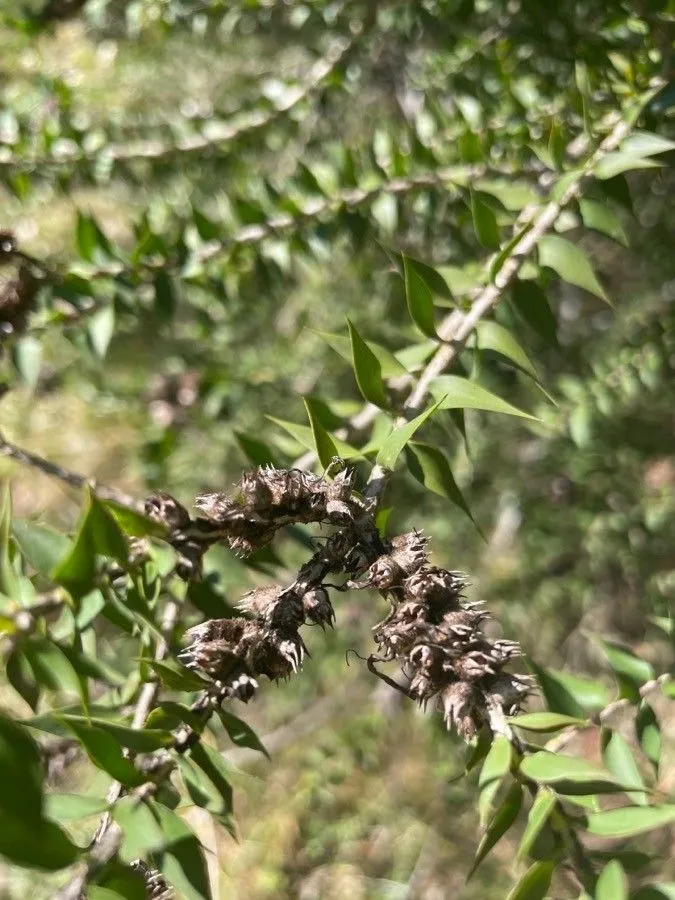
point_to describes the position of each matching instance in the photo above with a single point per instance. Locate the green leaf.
(570, 774)
(599, 217)
(166, 300)
(140, 740)
(70, 807)
(531, 303)
(53, 669)
(612, 883)
(503, 819)
(644, 143)
(546, 721)
(42, 547)
(169, 715)
(325, 445)
(104, 751)
(617, 756)
(176, 676)
(9, 584)
(648, 731)
(630, 821)
(616, 163)
(492, 336)
(304, 436)
(27, 359)
(460, 393)
(100, 328)
(134, 523)
(367, 369)
(215, 768)
(21, 767)
(624, 662)
(484, 223)
(431, 276)
(431, 467)
(240, 733)
(497, 764)
(394, 444)
(664, 891)
(98, 533)
(91, 243)
(569, 694)
(390, 366)
(151, 829)
(570, 262)
(420, 300)
(35, 844)
(255, 450)
(535, 882)
(540, 812)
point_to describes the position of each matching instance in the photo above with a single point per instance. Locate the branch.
(457, 327)
(66, 476)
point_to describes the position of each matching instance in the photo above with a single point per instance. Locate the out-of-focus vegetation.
(196, 196)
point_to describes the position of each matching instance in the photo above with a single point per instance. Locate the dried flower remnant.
(431, 629)
(156, 885)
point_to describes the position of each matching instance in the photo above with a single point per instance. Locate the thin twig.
(66, 476)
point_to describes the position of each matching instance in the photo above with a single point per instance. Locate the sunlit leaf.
(571, 774)
(535, 882)
(540, 812)
(497, 764)
(367, 369)
(431, 467)
(599, 217)
(570, 262)
(325, 445)
(619, 759)
(546, 721)
(419, 299)
(630, 821)
(570, 694)
(503, 819)
(460, 393)
(492, 336)
(393, 446)
(240, 733)
(41, 546)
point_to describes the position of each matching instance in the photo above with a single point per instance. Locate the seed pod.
(317, 607)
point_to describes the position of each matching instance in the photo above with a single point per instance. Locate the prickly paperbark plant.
(498, 137)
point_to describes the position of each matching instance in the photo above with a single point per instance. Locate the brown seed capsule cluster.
(17, 297)
(234, 653)
(264, 500)
(436, 635)
(431, 630)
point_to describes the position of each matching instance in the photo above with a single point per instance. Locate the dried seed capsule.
(317, 607)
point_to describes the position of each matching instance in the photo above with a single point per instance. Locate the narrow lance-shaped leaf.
(535, 882)
(240, 733)
(389, 364)
(325, 445)
(431, 467)
(503, 819)
(619, 759)
(460, 393)
(367, 369)
(497, 764)
(492, 336)
(9, 585)
(630, 821)
(570, 774)
(546, 721)
(599, 217)
(569, 694)
(540, 812)
(393, 446)
(612, 883)
(484, 223)
(420, 300)
(531, 303)
(571, 263)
